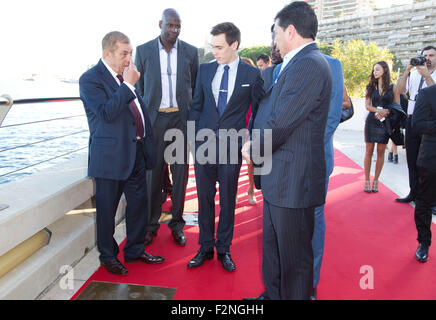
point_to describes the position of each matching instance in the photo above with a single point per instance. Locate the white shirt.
(132, 88)
(216, 82)
(163, 55)
(412, 87)
(288, 57)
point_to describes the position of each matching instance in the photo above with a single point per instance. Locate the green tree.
(358, 58)
(254, 52)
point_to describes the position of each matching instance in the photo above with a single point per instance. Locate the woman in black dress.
(379, 94)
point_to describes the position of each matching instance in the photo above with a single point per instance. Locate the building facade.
(405, 30)
(329, 9)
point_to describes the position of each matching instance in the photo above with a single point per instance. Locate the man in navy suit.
(333, 120)
(120, 150)
(168, 68)
(292, 119)
(224, 91)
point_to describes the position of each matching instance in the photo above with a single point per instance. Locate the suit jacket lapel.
(107, 76)
(240, 76)
(209, 79)
(155, 70)
(180, 67)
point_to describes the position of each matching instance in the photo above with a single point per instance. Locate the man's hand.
(131, 74)
(246, 151)
(423, 71)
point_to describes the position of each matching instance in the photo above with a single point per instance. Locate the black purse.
(347, 113)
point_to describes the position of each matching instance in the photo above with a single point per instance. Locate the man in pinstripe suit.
(293, 117)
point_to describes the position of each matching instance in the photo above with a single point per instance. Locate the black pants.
(425, 200)
(108, 193)
(179, 172)
(412, 141)
(206, 176)
(287, 261)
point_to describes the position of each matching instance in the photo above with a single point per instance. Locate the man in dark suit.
(224, 91)
(424, 123)
(168, 68)
(292, 120)
(120, 150)
(333, 120)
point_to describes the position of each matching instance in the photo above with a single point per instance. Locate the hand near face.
(131, 74)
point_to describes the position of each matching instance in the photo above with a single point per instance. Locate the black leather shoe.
(149, 236)
(199, 259)
(422, 253)
(179, 237)
(115, 267)
(407, 199)
(227, 261)
(146, 258)
(433, 211)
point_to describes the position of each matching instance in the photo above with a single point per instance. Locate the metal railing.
(6, 103)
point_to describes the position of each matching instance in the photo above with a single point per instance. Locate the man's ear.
(160, 24)
(235, 45)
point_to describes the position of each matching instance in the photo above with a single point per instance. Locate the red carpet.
(363, 230)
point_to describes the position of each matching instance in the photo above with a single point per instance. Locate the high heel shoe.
(251, 197)
(375, 186)
(367, 186)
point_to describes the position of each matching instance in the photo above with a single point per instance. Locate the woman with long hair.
(380, 92)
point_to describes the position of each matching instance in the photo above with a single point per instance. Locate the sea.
(21, 146)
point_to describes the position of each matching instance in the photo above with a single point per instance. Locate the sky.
(63, 38)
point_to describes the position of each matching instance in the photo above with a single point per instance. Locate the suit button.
(133, 124)
(134, 140)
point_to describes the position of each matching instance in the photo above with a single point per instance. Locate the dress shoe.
(115, 267)
(149, 236)
(407, 199)
(314, 295)
(199, 259)
(179, 237)
(395, 161)
(433, 211)
(227, 261)
(390, 157)
(146, 258)
(422, 253)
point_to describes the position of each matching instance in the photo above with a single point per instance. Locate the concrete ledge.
(73, 236)
(41, 199)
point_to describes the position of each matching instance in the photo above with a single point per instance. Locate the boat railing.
(46, 218)
(6, 103)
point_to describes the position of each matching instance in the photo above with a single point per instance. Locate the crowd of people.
(289, 107)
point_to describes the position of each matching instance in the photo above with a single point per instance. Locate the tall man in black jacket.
(424, 123)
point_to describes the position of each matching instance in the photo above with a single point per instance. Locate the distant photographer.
(410, 83)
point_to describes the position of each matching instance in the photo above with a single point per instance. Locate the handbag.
(397, 137)
(347, 113)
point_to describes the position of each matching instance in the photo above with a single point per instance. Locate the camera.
(418, 61)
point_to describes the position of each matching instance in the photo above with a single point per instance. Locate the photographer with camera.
(410, 83)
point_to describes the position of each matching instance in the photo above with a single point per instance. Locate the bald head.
(170, 27)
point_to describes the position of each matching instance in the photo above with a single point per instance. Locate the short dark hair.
(263, 57)
(428, 48)
(301, 16)
(230, 30)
